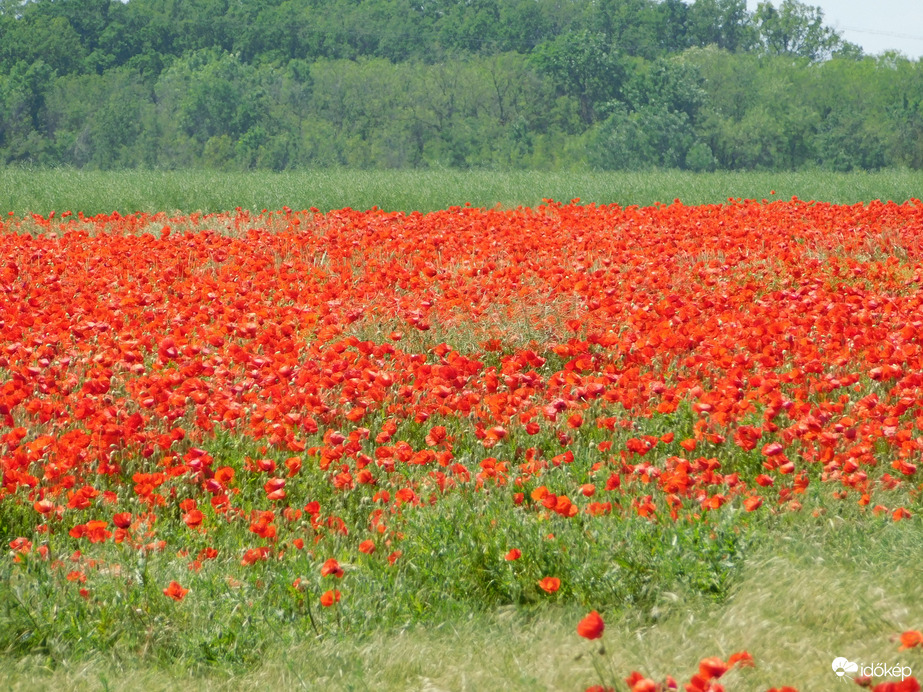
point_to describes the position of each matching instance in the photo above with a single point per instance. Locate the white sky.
(876, 25)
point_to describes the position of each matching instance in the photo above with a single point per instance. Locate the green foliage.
(581, 65)
(655, 125)
(795, 29)
(700, 158)
(847, 141)
(503, 84)
(721, 23)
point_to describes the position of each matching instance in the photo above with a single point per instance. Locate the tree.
(276, 84)
(795, 29)
(633, 27)
(722, 23)
(23, 112)
(582, 65)
(673, 25)
(655, 125)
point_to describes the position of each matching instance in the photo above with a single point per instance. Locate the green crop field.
(41, 191)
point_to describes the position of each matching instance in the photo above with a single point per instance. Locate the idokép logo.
(841, 666)
(844, 668)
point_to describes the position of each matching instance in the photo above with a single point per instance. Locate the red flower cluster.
(777, 345)
(713, 668)
(706, 680)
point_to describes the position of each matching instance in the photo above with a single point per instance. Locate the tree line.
(548, 84)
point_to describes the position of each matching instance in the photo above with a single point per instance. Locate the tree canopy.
(278, 84)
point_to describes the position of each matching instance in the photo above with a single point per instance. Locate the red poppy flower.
(712, 667)
(328, 598)
(753, 503)
(193, 518)
(591, 627)
(122, 520)
(44, 506)
(741, 658)
(906, 685)
(254, 555)
(175, 591)
(367, 547)
(331, 567)
(550, 584)
(638, 683)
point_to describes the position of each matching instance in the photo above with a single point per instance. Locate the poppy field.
(224, 433)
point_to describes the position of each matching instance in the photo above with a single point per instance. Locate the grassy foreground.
(94, 192)
(803, 595)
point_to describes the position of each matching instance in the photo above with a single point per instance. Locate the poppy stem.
(307, 602)
(600, 670)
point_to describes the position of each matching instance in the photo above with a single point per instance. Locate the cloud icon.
(841, 666)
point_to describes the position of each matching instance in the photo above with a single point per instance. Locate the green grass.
(41, 191)
(808, 591)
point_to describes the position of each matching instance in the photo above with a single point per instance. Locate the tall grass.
(804, 596)
(24, 190)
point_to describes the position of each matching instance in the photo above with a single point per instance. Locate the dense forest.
(547, 84)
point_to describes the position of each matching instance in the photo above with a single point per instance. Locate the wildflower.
(367, 547)
(331, 567)
(328, 598)
(122, 520)
(550, 584)
(254, 555)
(175, 591)
(44, 506)
(591, 627)
(193, 518)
